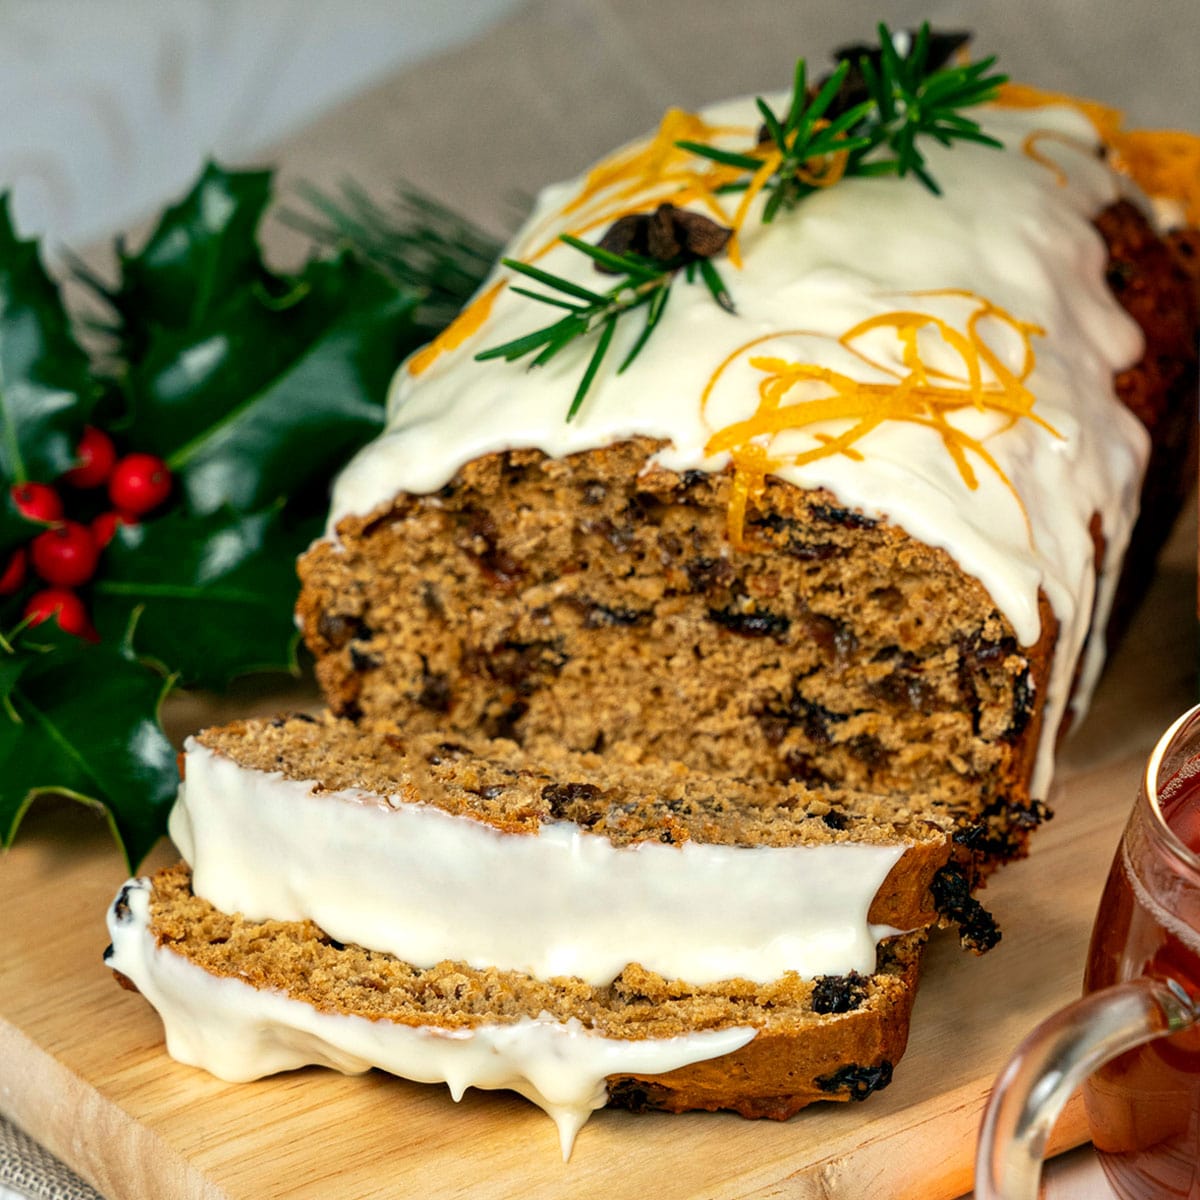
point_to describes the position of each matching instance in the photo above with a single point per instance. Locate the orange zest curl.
(920, 394)
(751, 466)
(629, 171)
(1030, 147)
(758, 181)
(1106, 119)
(639, 178)
(1163, 163)
(469, 321)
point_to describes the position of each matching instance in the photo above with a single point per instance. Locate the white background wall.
(107, 107)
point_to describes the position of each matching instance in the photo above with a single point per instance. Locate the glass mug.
(1133, 1041)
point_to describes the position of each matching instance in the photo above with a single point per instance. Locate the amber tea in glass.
(1144, 1105)
(1133, 1041)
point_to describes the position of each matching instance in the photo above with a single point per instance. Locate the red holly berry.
(65, 607)
(13, 574)
(65, 555)
(97, 457)
(37, 502)
(139, 483)
(104, 527)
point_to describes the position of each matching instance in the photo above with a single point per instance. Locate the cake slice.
(583, 929)
(553, 865)
(243, 999)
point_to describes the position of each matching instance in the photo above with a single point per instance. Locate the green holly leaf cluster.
(210, 596)
(254, 386)
(81, 720)
(251, 385)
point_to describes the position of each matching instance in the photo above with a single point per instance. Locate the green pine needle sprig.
(414, 240)
(646, 284)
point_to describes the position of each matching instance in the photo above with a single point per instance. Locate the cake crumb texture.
(778, 1072)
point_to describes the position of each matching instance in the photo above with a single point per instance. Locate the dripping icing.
(238, 1032)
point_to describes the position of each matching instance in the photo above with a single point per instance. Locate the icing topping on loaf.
(556, 897)
(240, 1032)
(1011, 230)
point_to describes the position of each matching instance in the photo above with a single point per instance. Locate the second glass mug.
(1133, 1041)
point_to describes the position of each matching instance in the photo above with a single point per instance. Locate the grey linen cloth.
(28, 1171)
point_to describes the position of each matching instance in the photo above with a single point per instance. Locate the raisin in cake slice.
(243, 999)
(554, 864)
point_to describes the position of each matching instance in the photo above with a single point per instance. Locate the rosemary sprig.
(914, 102)
(646, 284)
(908, 99)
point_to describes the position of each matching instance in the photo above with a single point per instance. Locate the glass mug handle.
(1052, 1062)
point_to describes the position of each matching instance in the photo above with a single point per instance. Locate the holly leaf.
(201, 250)
(46, 387)
(271, 395)
(81, 720)
(212, 595)
(251, 385)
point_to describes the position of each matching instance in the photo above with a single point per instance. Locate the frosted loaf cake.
(841, 540)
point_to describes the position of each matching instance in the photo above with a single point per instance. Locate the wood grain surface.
(82, 1067)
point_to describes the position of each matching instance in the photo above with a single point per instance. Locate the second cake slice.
(552, 864)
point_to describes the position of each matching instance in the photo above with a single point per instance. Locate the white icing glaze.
(426, 886)
(1005, 228)
(238, 1033)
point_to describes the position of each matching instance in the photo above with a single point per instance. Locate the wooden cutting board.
(82, 1067)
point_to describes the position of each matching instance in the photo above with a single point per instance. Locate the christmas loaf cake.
(799, 475)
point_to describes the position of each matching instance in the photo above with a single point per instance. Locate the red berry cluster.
(65, 555)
